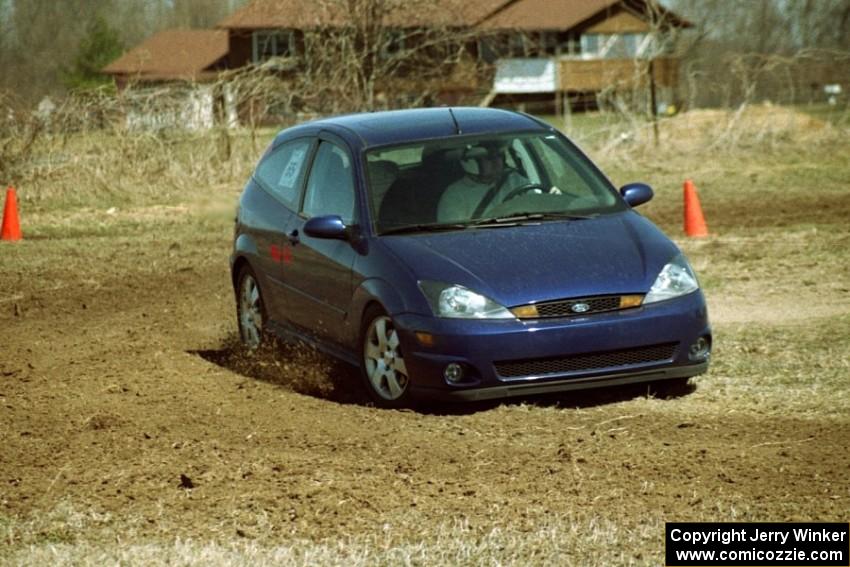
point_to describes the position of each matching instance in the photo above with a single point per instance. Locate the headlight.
(458, 302)
(676, 279)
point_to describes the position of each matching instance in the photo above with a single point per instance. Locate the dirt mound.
(297, 367)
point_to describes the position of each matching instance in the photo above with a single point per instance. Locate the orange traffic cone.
(694, 221)
(11, 223)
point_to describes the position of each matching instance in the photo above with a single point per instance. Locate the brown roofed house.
(579, 48)
(191, 59)
(178, 54)
(560, 50)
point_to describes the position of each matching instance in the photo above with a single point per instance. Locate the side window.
(330, 189)
(283, 170)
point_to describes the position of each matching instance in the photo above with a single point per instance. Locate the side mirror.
(329, 226)
(636, 193)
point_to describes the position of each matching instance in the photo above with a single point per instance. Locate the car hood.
(612, 254)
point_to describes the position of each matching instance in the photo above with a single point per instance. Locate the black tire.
(250, 310)
(382, 367)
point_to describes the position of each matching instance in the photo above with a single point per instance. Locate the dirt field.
(132, 428)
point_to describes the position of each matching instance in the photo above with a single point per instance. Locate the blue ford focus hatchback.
(461, 253)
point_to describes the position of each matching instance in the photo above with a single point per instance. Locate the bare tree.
(778, 50)
(770, 26)
(376, 53)
(365, 55)
(34, 50)
(199, 13)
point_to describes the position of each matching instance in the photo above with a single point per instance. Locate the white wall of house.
(198, 114)
(181, 108)
(517, 76)
(230, 110)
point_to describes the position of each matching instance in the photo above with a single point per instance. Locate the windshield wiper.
(492, 222)
(522, 217)
(433, 227)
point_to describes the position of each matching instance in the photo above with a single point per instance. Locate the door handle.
(293, 237)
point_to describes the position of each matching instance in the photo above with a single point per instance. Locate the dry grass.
(625, 137)
(119, 169)
(567, 540)
(88, 154)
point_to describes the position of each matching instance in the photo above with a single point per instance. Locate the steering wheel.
(527, 188)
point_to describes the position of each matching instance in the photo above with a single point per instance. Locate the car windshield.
(479, 181)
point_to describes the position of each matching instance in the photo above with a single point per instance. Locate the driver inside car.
(486, 183)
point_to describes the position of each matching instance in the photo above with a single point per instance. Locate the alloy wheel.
(383, 360)
(250, 312)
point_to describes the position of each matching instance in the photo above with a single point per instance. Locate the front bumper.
(563, 385)
(482, 345)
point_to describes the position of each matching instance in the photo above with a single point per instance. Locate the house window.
(629, 46)
(614, 46)
(517, 45)
(549, 43)
(488, 50)
(590, 44)
(272, 43)
(393, 43)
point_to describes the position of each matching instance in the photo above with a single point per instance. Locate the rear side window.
(282, 172)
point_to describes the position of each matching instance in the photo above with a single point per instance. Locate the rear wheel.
(250, 309)
(382, 361)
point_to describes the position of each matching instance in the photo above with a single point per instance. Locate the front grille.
(589, 361)
(564, 307)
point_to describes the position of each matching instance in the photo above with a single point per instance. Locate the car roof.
(400, 126)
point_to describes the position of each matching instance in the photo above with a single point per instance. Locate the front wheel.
(382, 361)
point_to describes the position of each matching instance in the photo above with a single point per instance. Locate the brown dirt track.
(118, 375)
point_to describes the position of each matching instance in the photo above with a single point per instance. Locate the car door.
(319, 278)
(280, 176)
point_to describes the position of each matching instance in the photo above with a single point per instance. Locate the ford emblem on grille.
(580, 308)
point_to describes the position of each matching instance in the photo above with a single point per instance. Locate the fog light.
(700, 350)
(453, 373)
